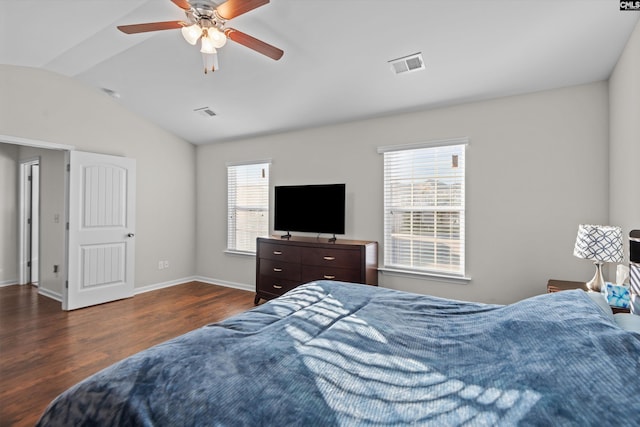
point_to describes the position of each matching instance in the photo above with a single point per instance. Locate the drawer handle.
(277, 252)
(329, 258)
(277, 270)
(326, 276)
(277, 286)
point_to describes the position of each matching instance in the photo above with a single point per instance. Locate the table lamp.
(600, 243)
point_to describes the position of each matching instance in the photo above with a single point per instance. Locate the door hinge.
(66, 284)
(67, 226)
(29, 221)
(29, 178)
(68, 167)
(28, 263)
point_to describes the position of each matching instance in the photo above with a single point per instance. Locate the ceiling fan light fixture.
(217, 38)
(210, 61)
(192, 33)
(205, 21)
(207, 46)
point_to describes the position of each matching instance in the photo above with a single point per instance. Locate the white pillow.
(628, 321)
(601, 300)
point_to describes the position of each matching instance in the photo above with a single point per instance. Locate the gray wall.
(8, 214)
(624, 160)
(45, 106)
(537, 166)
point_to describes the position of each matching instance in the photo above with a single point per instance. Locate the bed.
(335, 354)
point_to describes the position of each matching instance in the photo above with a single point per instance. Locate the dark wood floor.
(44, 350)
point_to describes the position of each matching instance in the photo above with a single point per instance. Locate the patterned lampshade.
(599, 243)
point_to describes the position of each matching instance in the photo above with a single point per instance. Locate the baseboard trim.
(207, 280)
(10, 282)
(156, 286)
(243, 286)
(50, 294)
(226, 283)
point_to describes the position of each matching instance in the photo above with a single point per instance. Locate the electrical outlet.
(160, 265)
(166, 264)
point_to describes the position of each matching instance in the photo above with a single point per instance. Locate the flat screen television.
(310, 208)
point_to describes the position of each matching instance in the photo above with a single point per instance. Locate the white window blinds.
(248, 205)
(424, 206)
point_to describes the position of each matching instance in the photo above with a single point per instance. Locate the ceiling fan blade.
(232, 8)
(182, 4)
(151, 26)
(253, 43)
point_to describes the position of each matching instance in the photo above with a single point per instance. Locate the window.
(248, 205)
(424, 207)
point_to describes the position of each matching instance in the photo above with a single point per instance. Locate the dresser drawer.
(275, 251)
(330, 257)
(279, 269)
(315, 272)
(275, 286)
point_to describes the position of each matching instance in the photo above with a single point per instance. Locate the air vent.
(112, 93)
(407, 64)
(205, 112)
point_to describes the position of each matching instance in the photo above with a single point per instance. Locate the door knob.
(130, 235)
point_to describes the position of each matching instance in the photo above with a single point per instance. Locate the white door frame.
(34, 277)
(28, 142)
(24, 230)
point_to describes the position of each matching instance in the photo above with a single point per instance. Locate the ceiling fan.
(206, 22)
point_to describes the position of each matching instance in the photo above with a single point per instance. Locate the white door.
(101, 243)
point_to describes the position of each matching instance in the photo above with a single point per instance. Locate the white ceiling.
(335, 67)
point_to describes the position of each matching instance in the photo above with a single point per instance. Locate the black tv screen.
(310, 208)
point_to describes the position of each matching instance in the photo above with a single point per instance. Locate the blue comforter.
(330, 354)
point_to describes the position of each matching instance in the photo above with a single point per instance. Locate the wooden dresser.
(283, 264)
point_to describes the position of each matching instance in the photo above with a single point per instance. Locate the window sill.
(238, 252)
(425, 275)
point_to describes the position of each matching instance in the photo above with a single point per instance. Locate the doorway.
(30, 221)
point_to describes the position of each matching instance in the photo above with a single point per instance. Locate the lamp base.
(597, 282)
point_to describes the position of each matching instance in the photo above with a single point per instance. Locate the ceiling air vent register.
(205, 112)
(407, 64)
(112, 93)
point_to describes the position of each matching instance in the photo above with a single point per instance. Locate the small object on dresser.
(616, 295)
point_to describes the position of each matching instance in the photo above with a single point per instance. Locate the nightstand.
(567, 285)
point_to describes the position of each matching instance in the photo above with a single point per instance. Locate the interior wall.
(9, 215)
(537, 166)
(52, 223)
(45, 106)
(624, 89)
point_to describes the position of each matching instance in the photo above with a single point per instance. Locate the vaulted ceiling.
(335, 66)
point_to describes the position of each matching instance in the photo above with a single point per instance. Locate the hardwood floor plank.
(44, 350)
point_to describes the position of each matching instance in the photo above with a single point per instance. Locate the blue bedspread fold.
(330, 354)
